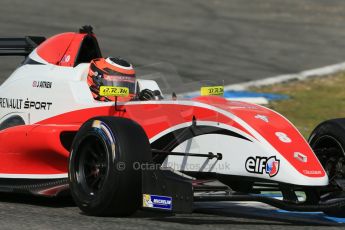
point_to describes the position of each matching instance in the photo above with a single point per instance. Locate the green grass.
(311, 101)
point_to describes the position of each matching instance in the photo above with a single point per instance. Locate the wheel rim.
(331, 156)
(92, 164)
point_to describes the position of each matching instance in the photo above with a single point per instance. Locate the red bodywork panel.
(61, 49)
(34, 149)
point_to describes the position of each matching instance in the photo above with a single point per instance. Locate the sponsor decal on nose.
(261, 165)
(301, 157)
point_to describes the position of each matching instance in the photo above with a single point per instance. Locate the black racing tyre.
(328, 142)
(104, 166)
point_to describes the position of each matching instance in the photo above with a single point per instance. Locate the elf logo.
(260, 165)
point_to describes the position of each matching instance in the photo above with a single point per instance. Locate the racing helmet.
(111, 71)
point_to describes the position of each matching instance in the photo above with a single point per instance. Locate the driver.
(115, 72)
(111, 72)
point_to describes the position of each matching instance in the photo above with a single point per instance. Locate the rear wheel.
(104, 166)
(328, 142)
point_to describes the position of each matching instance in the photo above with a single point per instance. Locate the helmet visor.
(119, 81)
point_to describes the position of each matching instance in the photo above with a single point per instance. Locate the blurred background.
(230, 40)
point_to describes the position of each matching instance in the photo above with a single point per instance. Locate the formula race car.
(115, 157)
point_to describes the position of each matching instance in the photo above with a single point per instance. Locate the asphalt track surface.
(231, 40)
(26, 212)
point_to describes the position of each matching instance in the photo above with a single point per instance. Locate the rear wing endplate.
(19, 46)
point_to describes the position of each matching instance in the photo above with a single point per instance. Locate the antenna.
(117, 108)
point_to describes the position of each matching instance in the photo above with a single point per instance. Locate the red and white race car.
(115, 157)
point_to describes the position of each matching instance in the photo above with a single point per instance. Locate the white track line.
(319, 72)
(323, 71)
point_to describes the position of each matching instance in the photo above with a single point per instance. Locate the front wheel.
(328, 142)
(104, 166)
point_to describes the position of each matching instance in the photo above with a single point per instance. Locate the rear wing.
(19, 46)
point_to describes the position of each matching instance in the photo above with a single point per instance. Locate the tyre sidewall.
(87, 202)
